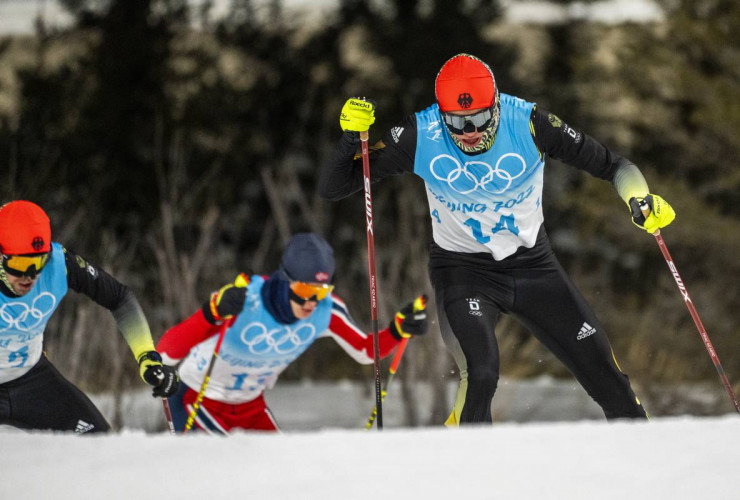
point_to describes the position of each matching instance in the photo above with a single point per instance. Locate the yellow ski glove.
(357, 114)
(661, 213)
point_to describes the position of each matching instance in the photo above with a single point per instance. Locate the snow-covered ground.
(678, 458)
(315, 405)
(549, 442)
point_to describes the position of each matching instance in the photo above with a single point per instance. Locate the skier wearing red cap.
(268, 322)
(481, 155)
(35, 275)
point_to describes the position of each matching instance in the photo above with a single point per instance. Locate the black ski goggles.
(25, 265)
(479, 122)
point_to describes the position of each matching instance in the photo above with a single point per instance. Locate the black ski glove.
(410, 320)
(228, 301)
(162, 378)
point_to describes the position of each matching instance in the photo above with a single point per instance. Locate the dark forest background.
(175, 149)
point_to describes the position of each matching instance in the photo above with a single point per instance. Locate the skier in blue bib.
(268, 322)
(35, 275)
(481, 155)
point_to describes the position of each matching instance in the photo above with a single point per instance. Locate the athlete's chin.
(471, 143)
(22, 289)
(304, 313)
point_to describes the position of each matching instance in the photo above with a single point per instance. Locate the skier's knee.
(483, 376)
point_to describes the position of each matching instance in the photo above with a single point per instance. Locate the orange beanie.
(465, 82)
(24, 228)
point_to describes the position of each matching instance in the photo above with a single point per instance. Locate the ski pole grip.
(420, 303)
(645, 209)
(365, 135)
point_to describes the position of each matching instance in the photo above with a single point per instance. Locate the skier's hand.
(358, 113)
(411, 319)
(228, 301)
(661, 213)
(162, 378)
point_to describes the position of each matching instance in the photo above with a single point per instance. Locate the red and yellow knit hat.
(465, 82)
(24, 229)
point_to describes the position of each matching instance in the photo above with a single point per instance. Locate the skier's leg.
(207, 418)
(467, 320)
(43, 399)
(254, 415)
(177, 408)
(549, 304)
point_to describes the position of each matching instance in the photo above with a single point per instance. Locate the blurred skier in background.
(481, 155)
(267, 322)
(35, 275)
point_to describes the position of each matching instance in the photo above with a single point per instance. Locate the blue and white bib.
(489, 202)
(255, 350)
(23, 319)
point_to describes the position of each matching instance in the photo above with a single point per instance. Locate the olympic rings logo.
(280, 340)
(467, 178)
(20, 317)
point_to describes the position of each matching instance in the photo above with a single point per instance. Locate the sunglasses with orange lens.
(310, 291)
(25, 265)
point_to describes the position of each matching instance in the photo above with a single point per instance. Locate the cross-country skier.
(35, 275)
(269, 322)
(481, 155)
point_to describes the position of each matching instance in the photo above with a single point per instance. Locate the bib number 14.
(506, 222)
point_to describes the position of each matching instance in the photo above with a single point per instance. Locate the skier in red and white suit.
(269, 322)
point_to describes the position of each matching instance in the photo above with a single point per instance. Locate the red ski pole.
(692, 310)
(419, 304)
(372, 274)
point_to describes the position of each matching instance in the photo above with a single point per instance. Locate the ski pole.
(419, 304)
(168, 415)
(364, 136)
(206, 379)
(692, 310)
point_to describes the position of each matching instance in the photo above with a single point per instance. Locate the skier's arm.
(222, 306)
(176, 342)
(102, 288)
(558, 140)
(392, 155)
(359, 345)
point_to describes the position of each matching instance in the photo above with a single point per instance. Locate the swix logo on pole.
(679, 282)
(368, 206)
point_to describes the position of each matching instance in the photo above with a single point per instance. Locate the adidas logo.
(396, 133)
(83, 427)
(586, 331)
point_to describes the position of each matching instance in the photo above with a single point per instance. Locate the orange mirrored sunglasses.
(309, 291)
(24, 265)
